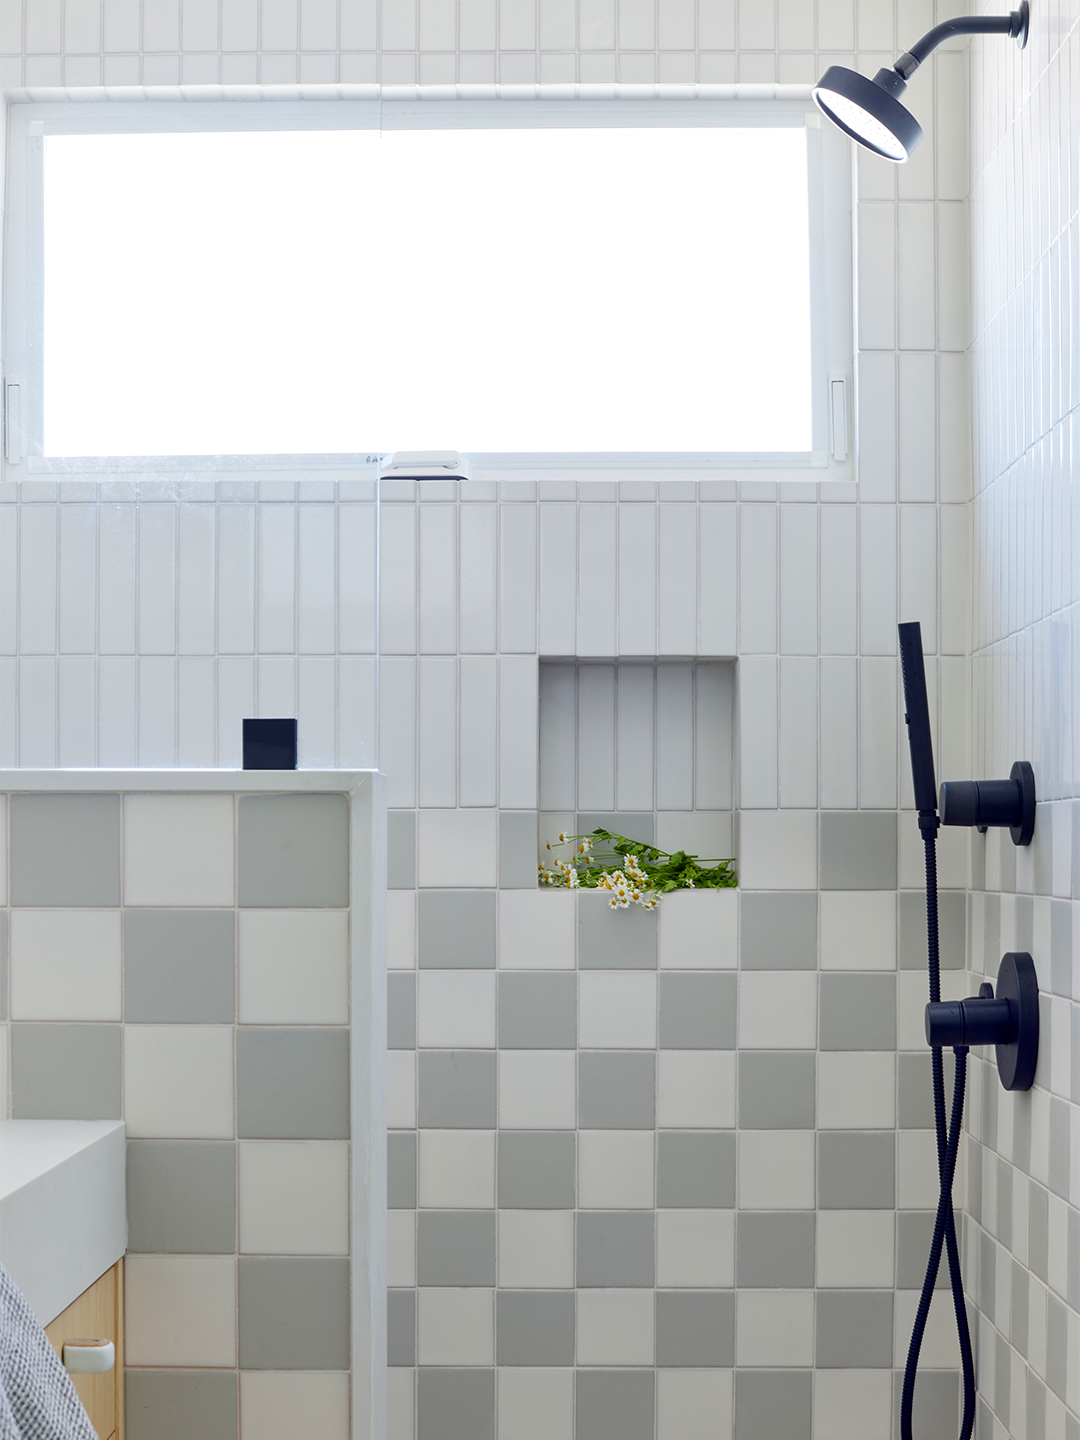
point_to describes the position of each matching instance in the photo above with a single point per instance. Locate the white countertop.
(173, 780)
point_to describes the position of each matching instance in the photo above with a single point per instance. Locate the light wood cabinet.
(98, 1313)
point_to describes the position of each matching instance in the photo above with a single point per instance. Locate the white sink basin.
(63, 1207)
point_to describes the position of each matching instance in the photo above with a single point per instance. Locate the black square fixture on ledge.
(270, 744)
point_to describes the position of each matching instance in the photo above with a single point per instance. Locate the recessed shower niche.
(641, 747)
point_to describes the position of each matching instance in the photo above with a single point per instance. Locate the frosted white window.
(489, 290)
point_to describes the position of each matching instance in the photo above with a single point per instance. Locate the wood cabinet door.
(97, 1314)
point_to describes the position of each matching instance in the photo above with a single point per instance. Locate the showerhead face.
(866, 111)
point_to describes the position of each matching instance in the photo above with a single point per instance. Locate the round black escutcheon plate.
(1018, 984)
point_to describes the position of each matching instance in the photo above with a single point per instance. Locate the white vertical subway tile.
(275, 686)
(635, 687)
(596, 736)
(877, 425)
(798, 733)
(116, 712)
(519, 682)
(839, 577)
(877, 271)
(798, 579)
(596, 580)
(954, 710)
(558, 579)
(919, 569)
(757, 579)
(357, 711)
(517, 579)
(758, 733)
(437, 732)
(558, 737)
(839, 733)
(677, 591)
(157, 711)
(316, 712)
(438, 579)
(77, 579)
(954, 428)
(76, 706)
(196, 590)
(236, 579)
(637, 579)
(277, 579)
(877, 579)
(157, 579)
(955, 570)
(915, 275)
(478, 748)
(235, 704)
(952, 275)
(675, 737)
(478, 570)
(317, 580)
(195, 710)
(116, 580)
(951, 124)
(877, 734)
(9, 711)
(397, 579)
(357, 578)
(717, 579)
(9, 578)
(918, 427)
(37, 710)
(714, 717)
(37, 579)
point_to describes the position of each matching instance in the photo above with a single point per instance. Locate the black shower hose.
(948, 1143)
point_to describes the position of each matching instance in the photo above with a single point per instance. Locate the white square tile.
(3, 1072)
(916, 1170)
(178, 1081)
(616, 1010)
(401, 1248)
(178, 850)
(615, 1169)
(852, 1404)
(693, 1404)
(294, 1197)
(456, 1169)
(180, 1310)
(536, 1249)
(940, 1351)
(615, 1327)
(456, 1009)
(776, 1170)
(536, 930)
(855, 1248)
(535, 1404)
(774, 1327)
(65, 964)
(537, 1089)
(294, 967)
(695, 1248)
(401, 1089)
(457, 847)
(279, 1405)
(858, 930)
(3, 850)
(401, 929)
(699, 930)
(856, 1090)
(456, 1327)
(400, 1403)
(777, 1010)
(695, 1089)
(778, 849)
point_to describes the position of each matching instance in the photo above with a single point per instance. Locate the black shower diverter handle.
(1009, 1020)
(979, 1020)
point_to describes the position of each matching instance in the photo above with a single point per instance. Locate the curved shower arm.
(1014, 25)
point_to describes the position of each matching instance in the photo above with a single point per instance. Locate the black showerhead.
(917, 716)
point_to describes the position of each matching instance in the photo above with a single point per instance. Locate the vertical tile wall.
(1024, 1164)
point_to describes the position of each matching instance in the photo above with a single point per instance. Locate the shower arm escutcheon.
(1008, 1020)
(983, 803)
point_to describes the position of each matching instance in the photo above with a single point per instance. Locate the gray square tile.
(401, 1171)
(858, 850)
(400, 1011)
(518, 850)
(856, 1171)
(914, 1232)
(457, 1089)
(3, 965)
(935, 1414)
(770, 1404)
(65, 1072)
(65, 850)
(697, 1012)
(1072, 1277)
(1061, 948)
(695, 1171)
(1038, 1230)
(1057, 1346)
(952, 930)
(614, 939)
(536, 1170)
(455, 1404)
(179, 966)
(915, 1088)
(776, 1090)
(401, 850)
(456, 1247)
(181, 1197)
(1019, 1309)
(292, 1084)
(1002, 1376)
(534, 1327)
(615, 1404)
(537, 1011)
(294, 1314)
(615, 1248)
(774, 1251)
(858, 1012)
(1058, 1175)
(1035, 1409)
(634, 824)
(401, 1327)
(695, 1328)
(456, 929)
(854, 1329)
(616, 1091)
(294, 851)
(177, 1405)
(778, 932)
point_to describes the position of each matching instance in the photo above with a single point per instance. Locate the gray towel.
(37, 1399)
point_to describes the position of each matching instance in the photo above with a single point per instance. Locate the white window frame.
(832, 457)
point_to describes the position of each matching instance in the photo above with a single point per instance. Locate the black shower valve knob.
(1008, 1020)
(983, 803)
